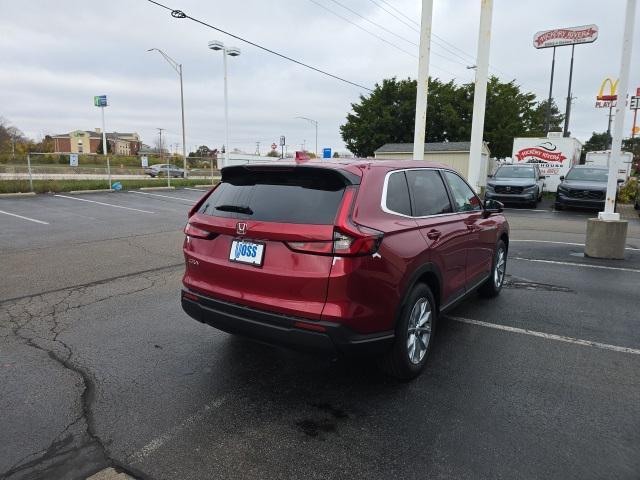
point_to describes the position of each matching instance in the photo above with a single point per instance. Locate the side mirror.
(492, 206)
(561, 178)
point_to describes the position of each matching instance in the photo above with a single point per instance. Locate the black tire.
(401, 361)
(558, 207)
(492, 287)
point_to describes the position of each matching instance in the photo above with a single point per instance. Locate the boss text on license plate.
(246, 252)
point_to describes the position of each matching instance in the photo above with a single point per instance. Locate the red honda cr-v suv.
(346, 257)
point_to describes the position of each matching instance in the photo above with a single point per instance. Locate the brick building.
(87, 141)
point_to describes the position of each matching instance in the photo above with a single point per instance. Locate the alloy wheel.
(419, 330)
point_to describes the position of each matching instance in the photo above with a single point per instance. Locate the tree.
(387, 115)
(99, 150)
(336, 155)
(598, 141)
(273, 153)
(538, 119)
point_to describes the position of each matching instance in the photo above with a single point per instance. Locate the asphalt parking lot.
(100, 367)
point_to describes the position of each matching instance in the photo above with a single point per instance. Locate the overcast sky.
(55, 56)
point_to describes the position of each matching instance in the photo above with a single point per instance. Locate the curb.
(100, 190)
(157, 188)
(203, 186)
(17, 194)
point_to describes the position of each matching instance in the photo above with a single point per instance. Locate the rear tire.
(492, 287)
(413, 337)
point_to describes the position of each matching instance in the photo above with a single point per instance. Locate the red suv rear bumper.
(297, 333)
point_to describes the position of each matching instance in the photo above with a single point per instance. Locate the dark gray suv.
(583, 187)
(522, 184)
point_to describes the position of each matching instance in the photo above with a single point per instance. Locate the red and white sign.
(273, 146)
(565, 36)
(553, 155)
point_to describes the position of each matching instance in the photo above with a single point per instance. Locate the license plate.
(247, 252)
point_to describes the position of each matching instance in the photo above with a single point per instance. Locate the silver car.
(164, 169)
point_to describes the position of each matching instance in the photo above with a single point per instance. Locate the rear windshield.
(309, 196)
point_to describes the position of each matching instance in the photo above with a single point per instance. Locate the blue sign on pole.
(326, 153)
(100, 101)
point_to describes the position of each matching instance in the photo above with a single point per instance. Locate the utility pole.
(480, 94)
(423, 80)
(258, 148)
(162, 157)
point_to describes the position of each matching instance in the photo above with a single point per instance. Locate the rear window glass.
(310, 196)
(398, 194)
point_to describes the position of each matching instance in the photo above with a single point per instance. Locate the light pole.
(315, 123)
(178, 68)
(232, 52)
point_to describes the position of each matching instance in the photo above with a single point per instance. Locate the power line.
(180, 14)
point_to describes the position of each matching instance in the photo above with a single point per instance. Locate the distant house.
(454, 154)
(87, 141)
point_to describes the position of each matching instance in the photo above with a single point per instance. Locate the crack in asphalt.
(38, 322)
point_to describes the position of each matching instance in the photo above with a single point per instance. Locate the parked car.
(584, 186)
(522, 184)
(345, 258)
(161, 170)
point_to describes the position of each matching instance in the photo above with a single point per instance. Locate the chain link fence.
(38, 172)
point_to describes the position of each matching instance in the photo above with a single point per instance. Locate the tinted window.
(398, 194)
(588, 174)
(515, 172)
(309, 196)
(429, 193)
(463, 197)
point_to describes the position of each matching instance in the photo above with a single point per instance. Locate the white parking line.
(528, 210)
(103, 203)
(197, 189)
(163, 196)
(574, 264)
(548, 336)
(511, 240)
(24, 218)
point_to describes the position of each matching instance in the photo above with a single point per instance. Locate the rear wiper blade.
(234, 208)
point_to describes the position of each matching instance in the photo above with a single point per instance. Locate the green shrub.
(627, 192)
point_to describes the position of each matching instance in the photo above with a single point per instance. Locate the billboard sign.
(100, 101)
(565, 36)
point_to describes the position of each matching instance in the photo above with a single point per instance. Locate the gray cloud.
(57, 55)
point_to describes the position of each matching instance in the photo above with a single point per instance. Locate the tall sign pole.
(547, 121)
(423, 80)
(480, 93)
(101, 102)
(618, 124)
(561, 37)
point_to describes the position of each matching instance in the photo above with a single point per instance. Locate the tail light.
(349, 238)
(195, 232)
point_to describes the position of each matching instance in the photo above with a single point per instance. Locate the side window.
(463, 197)
(398, 194)
(429, 193)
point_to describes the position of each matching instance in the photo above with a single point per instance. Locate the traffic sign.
(635, 103)
(326, 153)
(273, 146)
(282, 141)
(145, 161)
(100, 101)
(73, 160)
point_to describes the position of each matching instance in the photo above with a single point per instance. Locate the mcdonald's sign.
(613, 87)
(607, 99)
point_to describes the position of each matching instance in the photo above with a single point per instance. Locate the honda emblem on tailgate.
(241, 228)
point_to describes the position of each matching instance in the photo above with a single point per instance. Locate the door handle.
(434, 234)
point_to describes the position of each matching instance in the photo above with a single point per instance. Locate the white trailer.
(555, 155)
(602, 158)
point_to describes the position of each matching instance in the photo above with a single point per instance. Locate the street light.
(232, 52)
(315, 123)
(178, 68)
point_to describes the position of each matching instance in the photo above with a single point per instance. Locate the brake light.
(195, 232)
(349, 238)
